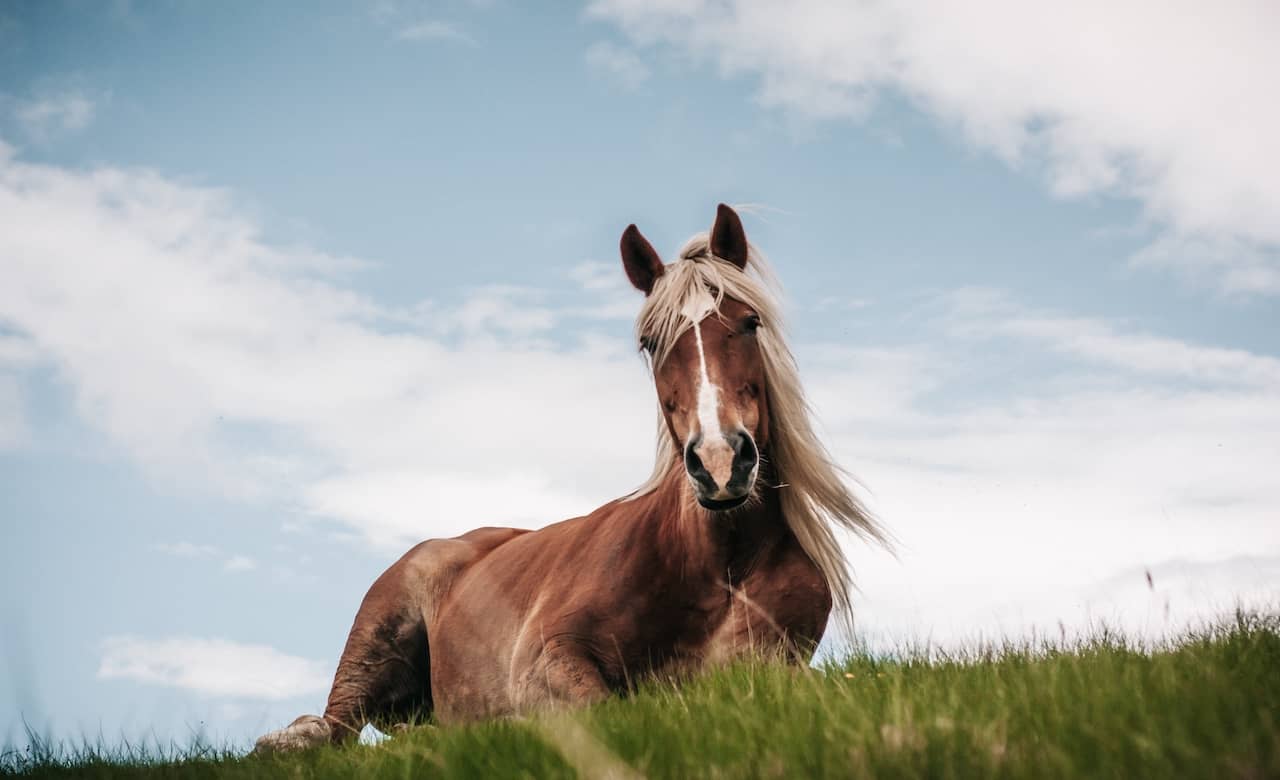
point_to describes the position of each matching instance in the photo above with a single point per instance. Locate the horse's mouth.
(722, 505)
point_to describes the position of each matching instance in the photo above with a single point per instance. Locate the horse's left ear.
(640, 259)
(728, 239)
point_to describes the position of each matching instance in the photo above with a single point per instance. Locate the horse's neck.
(719, 544)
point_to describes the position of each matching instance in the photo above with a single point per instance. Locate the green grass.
(1205, 706)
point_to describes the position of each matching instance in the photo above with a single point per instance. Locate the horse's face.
(711, 380)
(711, 387)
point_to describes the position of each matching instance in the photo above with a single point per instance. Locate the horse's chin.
(724, 505)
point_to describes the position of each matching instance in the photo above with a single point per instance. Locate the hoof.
(307, 731)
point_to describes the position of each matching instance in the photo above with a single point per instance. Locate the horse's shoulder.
(792, 577)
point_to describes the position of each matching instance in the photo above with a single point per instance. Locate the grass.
(1207, 705)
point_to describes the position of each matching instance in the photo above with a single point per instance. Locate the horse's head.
(703, 337)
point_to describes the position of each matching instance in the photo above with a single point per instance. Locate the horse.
(729, 548)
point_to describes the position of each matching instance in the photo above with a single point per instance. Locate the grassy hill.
(1205, 706)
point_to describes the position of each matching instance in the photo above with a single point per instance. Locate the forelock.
(669, 310)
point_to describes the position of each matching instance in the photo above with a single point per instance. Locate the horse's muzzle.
(722, 472)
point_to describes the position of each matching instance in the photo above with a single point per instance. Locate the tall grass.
(1207, 705)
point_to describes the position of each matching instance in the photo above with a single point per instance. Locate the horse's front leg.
(563, 672)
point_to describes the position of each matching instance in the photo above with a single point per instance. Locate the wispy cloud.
(186, 549)
(1156, 600)
(342, 394)
(17, 355)
(231, 563)
(45, 115)
(240, 563)
(986, 313)
(1156, 102)
(1238, 267)
(842, 303)
(434, 30)
(13, 427)
(1023, 457)
(412, 21)
(619, 65)
(213, 667)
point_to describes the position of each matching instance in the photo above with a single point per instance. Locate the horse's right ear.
(641, 261)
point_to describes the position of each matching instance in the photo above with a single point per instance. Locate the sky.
(285, 289)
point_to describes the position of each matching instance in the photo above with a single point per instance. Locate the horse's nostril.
(690, 449)
(745, 458)
(691, 459)
(694, 466)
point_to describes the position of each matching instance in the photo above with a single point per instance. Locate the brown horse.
(727, 549)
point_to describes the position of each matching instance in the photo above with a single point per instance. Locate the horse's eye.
(751, 324)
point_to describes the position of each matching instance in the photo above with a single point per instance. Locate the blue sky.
(287, 289)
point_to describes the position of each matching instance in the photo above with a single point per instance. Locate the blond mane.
(814, 491)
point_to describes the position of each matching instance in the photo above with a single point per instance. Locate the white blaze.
(696, 309)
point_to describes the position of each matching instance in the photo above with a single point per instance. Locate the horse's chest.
(675, 627)
(783, 606)
(700, 627)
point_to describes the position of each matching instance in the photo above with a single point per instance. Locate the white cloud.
(398, 506)
(512, 311)
(1018, 505)
(240, 563)
(982, 313)
(1236, 266)
(213, 667)
(215, 359)
(16, 354)
(409, 20)
(597, 277)
(842, 303)
(186, 549)
(15, 350)
(433, 30)
(13, 427)
(46, 114)
(231, 563)
(1168, 103)
(1180, 595)
(619, 65)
